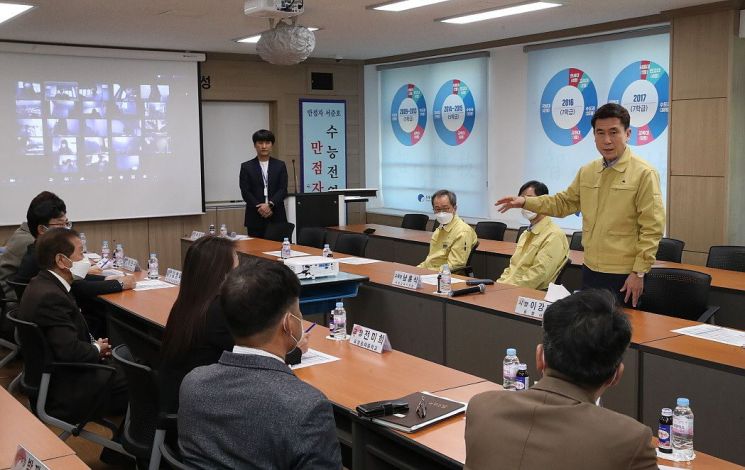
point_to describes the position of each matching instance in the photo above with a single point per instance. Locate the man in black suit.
(48, 303)
(250, 410)
(263, 183)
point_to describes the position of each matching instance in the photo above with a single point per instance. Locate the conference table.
(492, 257)
(467, 334)
(19, 426)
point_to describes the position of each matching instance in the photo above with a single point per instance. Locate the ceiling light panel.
(499, 13)
(10, 10)
(404, 5)
(254, 39)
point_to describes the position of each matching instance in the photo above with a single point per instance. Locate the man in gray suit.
(556, 423)
(249, 410)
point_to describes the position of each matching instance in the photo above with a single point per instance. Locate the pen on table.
(310, 328)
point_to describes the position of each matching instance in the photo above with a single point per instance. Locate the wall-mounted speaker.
(321, 81)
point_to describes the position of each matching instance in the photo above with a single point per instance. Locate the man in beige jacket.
(556, 424)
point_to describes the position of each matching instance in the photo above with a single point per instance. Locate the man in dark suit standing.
(557, 424)
(48, 302)
(249, 410)
(263, 183)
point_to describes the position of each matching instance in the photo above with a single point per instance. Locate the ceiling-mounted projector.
(273, 8)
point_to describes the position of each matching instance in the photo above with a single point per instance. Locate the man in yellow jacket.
(622, 213)
(541, 250)
(453, 240)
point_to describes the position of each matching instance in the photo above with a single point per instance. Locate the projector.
(311, 267)
(273, 8)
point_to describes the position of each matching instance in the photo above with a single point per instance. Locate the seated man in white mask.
(453, 240)
(541, 250)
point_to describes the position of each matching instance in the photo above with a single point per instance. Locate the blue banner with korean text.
(323, 145)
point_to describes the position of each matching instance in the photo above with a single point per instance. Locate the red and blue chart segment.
(567, 105)
(454, 112)
(408, 114)
(643, 89)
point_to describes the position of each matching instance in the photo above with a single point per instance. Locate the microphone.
(294, 175)
(476, 282)
(468, 290)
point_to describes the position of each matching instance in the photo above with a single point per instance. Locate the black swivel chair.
(18, 287)
(576, 242)
(143, 419)
(351, 244)
(7, 333)
(415, 221)
(727, 257)
(312, 236)
(39, 370)
(278, 231)
(491, 230)
(520, 232)
(670, 249)
(467, 270)
(560, 277)
(678, 293)
(435, 224)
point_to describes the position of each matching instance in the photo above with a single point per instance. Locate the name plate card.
(370, 339)
(25, 460)
(196, 235)
(408, 280)
(131, 265)
(173, 276)
(531, 307)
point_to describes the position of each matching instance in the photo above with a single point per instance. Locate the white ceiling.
(350, 31)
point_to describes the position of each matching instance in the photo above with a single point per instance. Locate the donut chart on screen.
(643, 88)
(408, 114)
(567, 105)
(454, 112)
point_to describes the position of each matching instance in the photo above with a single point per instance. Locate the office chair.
(670, 249)
(39, 370)
(7, 330)
(560, 277)
(727, 257)
(491, 230)
(678, 293)
(576, 242)
(435, 224)
(351, 244)
(415, 221)
(278, 231)
(18, 287)
(520, 232)
(142, 347)
(467, 270)
(312, 236)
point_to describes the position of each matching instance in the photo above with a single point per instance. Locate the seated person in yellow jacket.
(453, 240)
(541, 250)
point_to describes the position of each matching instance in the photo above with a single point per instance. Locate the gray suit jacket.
(252, 412)
(15, 247)
(555, 425)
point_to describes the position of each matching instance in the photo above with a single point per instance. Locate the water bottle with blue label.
(105, 250)
(509, 369)
(84, 242)
(119, 256)
(340, 322)
(286, 249)
(682, 430)
(327, 251)
(152, 267)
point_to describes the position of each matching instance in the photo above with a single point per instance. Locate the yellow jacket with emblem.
(450, 244)
(623, 217)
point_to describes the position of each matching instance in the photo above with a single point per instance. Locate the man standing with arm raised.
(622, 213)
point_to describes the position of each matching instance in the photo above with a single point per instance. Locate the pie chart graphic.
(408, 114)
(454, 112)
(568, 102)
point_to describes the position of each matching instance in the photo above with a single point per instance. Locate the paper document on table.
(241, 237)
(314, 358)
(293, 254)
(556, 292)
(431, 279)
(356, 260)
(151, 284)
(715, 333)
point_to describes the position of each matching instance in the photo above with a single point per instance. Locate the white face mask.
(79, 269)
(528, 214)
(302, 333)
(444, 218)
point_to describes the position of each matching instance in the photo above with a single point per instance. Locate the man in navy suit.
(263, 183)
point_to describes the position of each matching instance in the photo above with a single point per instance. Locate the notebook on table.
(437, 409)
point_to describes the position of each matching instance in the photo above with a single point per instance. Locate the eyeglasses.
(421, 408)
(67, 225)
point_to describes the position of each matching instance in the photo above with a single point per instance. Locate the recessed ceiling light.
(254, 39)
(9, 10)
(403, 5)
(499, 13)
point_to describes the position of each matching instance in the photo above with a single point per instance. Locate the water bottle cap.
(522, 366)
(82, 234)
(445, 267)
(667, 412)
(511, 351)
(339, 304)
(326, 245)
(152, 255)
(683, 402)
(286, 240)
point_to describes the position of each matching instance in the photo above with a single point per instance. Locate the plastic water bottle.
(509, 369)
(286, 249)
(84, 242)
(212, 229)
(340, 322)
(105, 250)
(119, 256)
(327, 251)
(682, 431)
(445, 281)
(152, 267)
(223, 231)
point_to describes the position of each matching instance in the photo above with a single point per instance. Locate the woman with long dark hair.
(196, 333)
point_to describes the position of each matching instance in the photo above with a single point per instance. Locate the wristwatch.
(640, 275)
